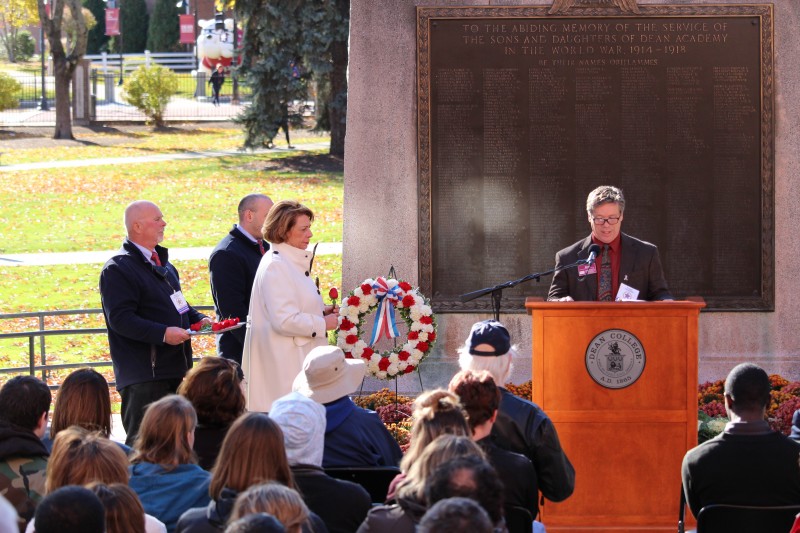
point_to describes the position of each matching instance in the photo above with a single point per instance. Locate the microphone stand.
(497, 290)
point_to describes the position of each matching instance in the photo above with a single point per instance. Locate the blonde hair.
(280, 501)
(436, 412)
(124, 511)
(80, 457)
(282, 218)
(442, 449)
(163, 437)
(252, 452)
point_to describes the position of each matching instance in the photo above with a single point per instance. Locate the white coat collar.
(299, 258)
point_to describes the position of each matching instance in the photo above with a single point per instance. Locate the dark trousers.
(135, 398)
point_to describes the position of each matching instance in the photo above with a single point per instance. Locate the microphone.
(594, 249)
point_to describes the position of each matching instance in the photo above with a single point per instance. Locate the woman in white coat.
(287, 317)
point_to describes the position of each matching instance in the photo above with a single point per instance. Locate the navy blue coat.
(138, 310)
(357, 437)
(232, 268)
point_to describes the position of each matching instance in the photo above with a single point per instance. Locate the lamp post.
(121, 50)
(43, 104)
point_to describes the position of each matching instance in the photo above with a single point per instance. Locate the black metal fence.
(193, 100)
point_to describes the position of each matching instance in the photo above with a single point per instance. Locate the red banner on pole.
(112, 21)
(187, 29)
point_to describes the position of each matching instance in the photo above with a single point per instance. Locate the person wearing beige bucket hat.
(353, 436)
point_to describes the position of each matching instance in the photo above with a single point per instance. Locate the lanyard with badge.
(180, 303)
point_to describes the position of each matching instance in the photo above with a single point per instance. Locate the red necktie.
(156, 259)
(261, 246)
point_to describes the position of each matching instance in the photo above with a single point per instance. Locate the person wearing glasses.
(147, 317)
(625, 268)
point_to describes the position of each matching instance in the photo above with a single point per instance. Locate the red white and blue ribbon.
(385, 324)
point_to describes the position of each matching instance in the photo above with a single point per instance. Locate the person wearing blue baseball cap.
(521, 425)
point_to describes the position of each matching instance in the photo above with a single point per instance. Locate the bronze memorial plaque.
(522, 113)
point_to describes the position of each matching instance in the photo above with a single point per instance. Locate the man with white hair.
(147, 317)
(342, 505)
(521, 426)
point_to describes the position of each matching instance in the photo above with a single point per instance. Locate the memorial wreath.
(384, 296)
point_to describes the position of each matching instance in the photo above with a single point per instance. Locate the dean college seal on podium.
(615, 358)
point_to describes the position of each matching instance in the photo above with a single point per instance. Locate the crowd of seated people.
(266, 471)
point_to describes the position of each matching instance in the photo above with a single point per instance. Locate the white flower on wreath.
(380, 374)
(423, 337)
(428, 328)
(426, 310)
(415, 313)
(417, 326)
(392, 369)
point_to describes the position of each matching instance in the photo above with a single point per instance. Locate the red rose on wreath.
(426, 320)
(367, 353)
(354, 301)
(413, 335)
(405, 286)
(422, 346)
(366, 289)
(408, 300)
(348, 355)
(403, 355)
(346, 325)
(431, 336)
(351, 339)
(384, 363)
(409, 369)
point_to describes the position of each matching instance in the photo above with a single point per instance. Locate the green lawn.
(62, 210)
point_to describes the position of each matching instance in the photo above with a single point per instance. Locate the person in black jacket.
(146, 315)
(216, 81)
(480, 397)
(232, 268)
(521, 426)
(342, 505)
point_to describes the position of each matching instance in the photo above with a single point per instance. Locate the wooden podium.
(625, 435)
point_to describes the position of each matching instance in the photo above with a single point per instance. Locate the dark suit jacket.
(232, 268)
(640, 268)
(138, 310)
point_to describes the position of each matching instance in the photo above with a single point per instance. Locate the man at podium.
(623, 267)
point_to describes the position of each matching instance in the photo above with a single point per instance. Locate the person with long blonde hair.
(253, 452)
(164, 473)
(283, 503)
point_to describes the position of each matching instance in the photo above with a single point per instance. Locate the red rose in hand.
(408, 300)
(384, 363)
(422, 347)
(404, 285)
(403, 356)
(346, 325)
(333, 294)
(367, 353)
(413, 335)
(354, 301)
(366, 288)
(351, 339)
(426, 320)
(196, 326)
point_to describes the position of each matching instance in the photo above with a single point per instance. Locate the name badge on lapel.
(179, 302)
(583, 270)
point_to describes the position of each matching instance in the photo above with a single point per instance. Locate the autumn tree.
(287, 43)
(14, 16)
(65, 60)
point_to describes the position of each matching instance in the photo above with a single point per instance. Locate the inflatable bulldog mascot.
(215, 44)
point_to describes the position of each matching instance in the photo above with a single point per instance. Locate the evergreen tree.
(98, 40)
(134, 20)
(164, 31)
(285, 43)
